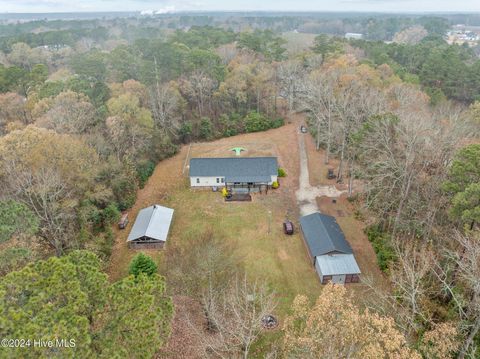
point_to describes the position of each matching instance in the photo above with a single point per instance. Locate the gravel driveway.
(307, 194)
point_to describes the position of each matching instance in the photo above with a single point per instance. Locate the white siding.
(319, 272)
(206, 182)
(212, 181)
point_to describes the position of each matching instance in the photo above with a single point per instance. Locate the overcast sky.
(239, 5)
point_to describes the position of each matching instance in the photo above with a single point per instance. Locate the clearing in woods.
(254, 227)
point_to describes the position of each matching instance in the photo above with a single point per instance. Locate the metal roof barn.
(151, 226)
(328, 249)
(323, 235)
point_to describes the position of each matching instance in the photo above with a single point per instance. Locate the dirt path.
(306, 193)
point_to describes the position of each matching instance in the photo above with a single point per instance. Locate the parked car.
(288, 227)
(303, 129)
(122, 223)
(330, 174)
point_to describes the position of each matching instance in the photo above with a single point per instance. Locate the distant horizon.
(459, 12)
(239, 6)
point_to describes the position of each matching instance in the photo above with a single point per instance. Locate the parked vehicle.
(330, 174)
(303, 129)
(122, 223)
(288, 227)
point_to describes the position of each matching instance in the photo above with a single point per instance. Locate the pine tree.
(143, 264)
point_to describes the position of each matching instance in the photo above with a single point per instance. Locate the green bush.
(206, 129)
(110, 214)
(382, 247)
(125, 191)
(231, 125)
(255, 122)
(106, 243)
(142, 263)
(144, 171)
(185, 131)
(279, 122)
(12, 259)
(281, 172)
(16, 219)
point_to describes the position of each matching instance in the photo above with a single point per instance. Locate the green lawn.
(256, 229)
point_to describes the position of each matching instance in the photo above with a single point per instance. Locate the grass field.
(254, 227)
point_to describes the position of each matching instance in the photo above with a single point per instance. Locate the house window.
(218, 180)
(223, 180)
(198, 180)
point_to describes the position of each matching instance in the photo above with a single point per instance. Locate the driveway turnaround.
(307, 194)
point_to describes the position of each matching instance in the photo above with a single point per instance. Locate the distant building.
(151, 228)
(246, 173)
(353, 35)
(329, 251)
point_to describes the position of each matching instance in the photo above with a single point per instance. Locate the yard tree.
(411, 276)
(403, 168)
(464, 263)
(290, 75)
(412, 35)
(51, 299)
(463, 184)
(69, 112)
(234, 90)
(335, 328)
(211, 265)
(133, 87)
(69, 297)
(234, 317)
(90, 64)
(441, 341)
(24, 56)
(14, 258)
(142, 264)
(318, 97)
(263, 42)
(12, 109)
(325, 45)
(135, 321)
(198, 88)
(50, 174)
(168, 107)
(129, 126)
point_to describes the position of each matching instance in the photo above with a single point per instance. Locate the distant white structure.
(166, 10)
(353, 35)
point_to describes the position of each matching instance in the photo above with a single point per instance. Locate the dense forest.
(89, 107)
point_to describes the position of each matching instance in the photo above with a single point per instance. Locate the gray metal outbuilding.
(151, 227)
(329, 251)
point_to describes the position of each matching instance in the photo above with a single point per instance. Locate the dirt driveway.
(307, 194)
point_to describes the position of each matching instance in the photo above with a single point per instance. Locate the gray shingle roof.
(152, 222)
(244, 169)
(323, 235)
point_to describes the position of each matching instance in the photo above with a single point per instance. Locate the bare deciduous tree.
(234, 317)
